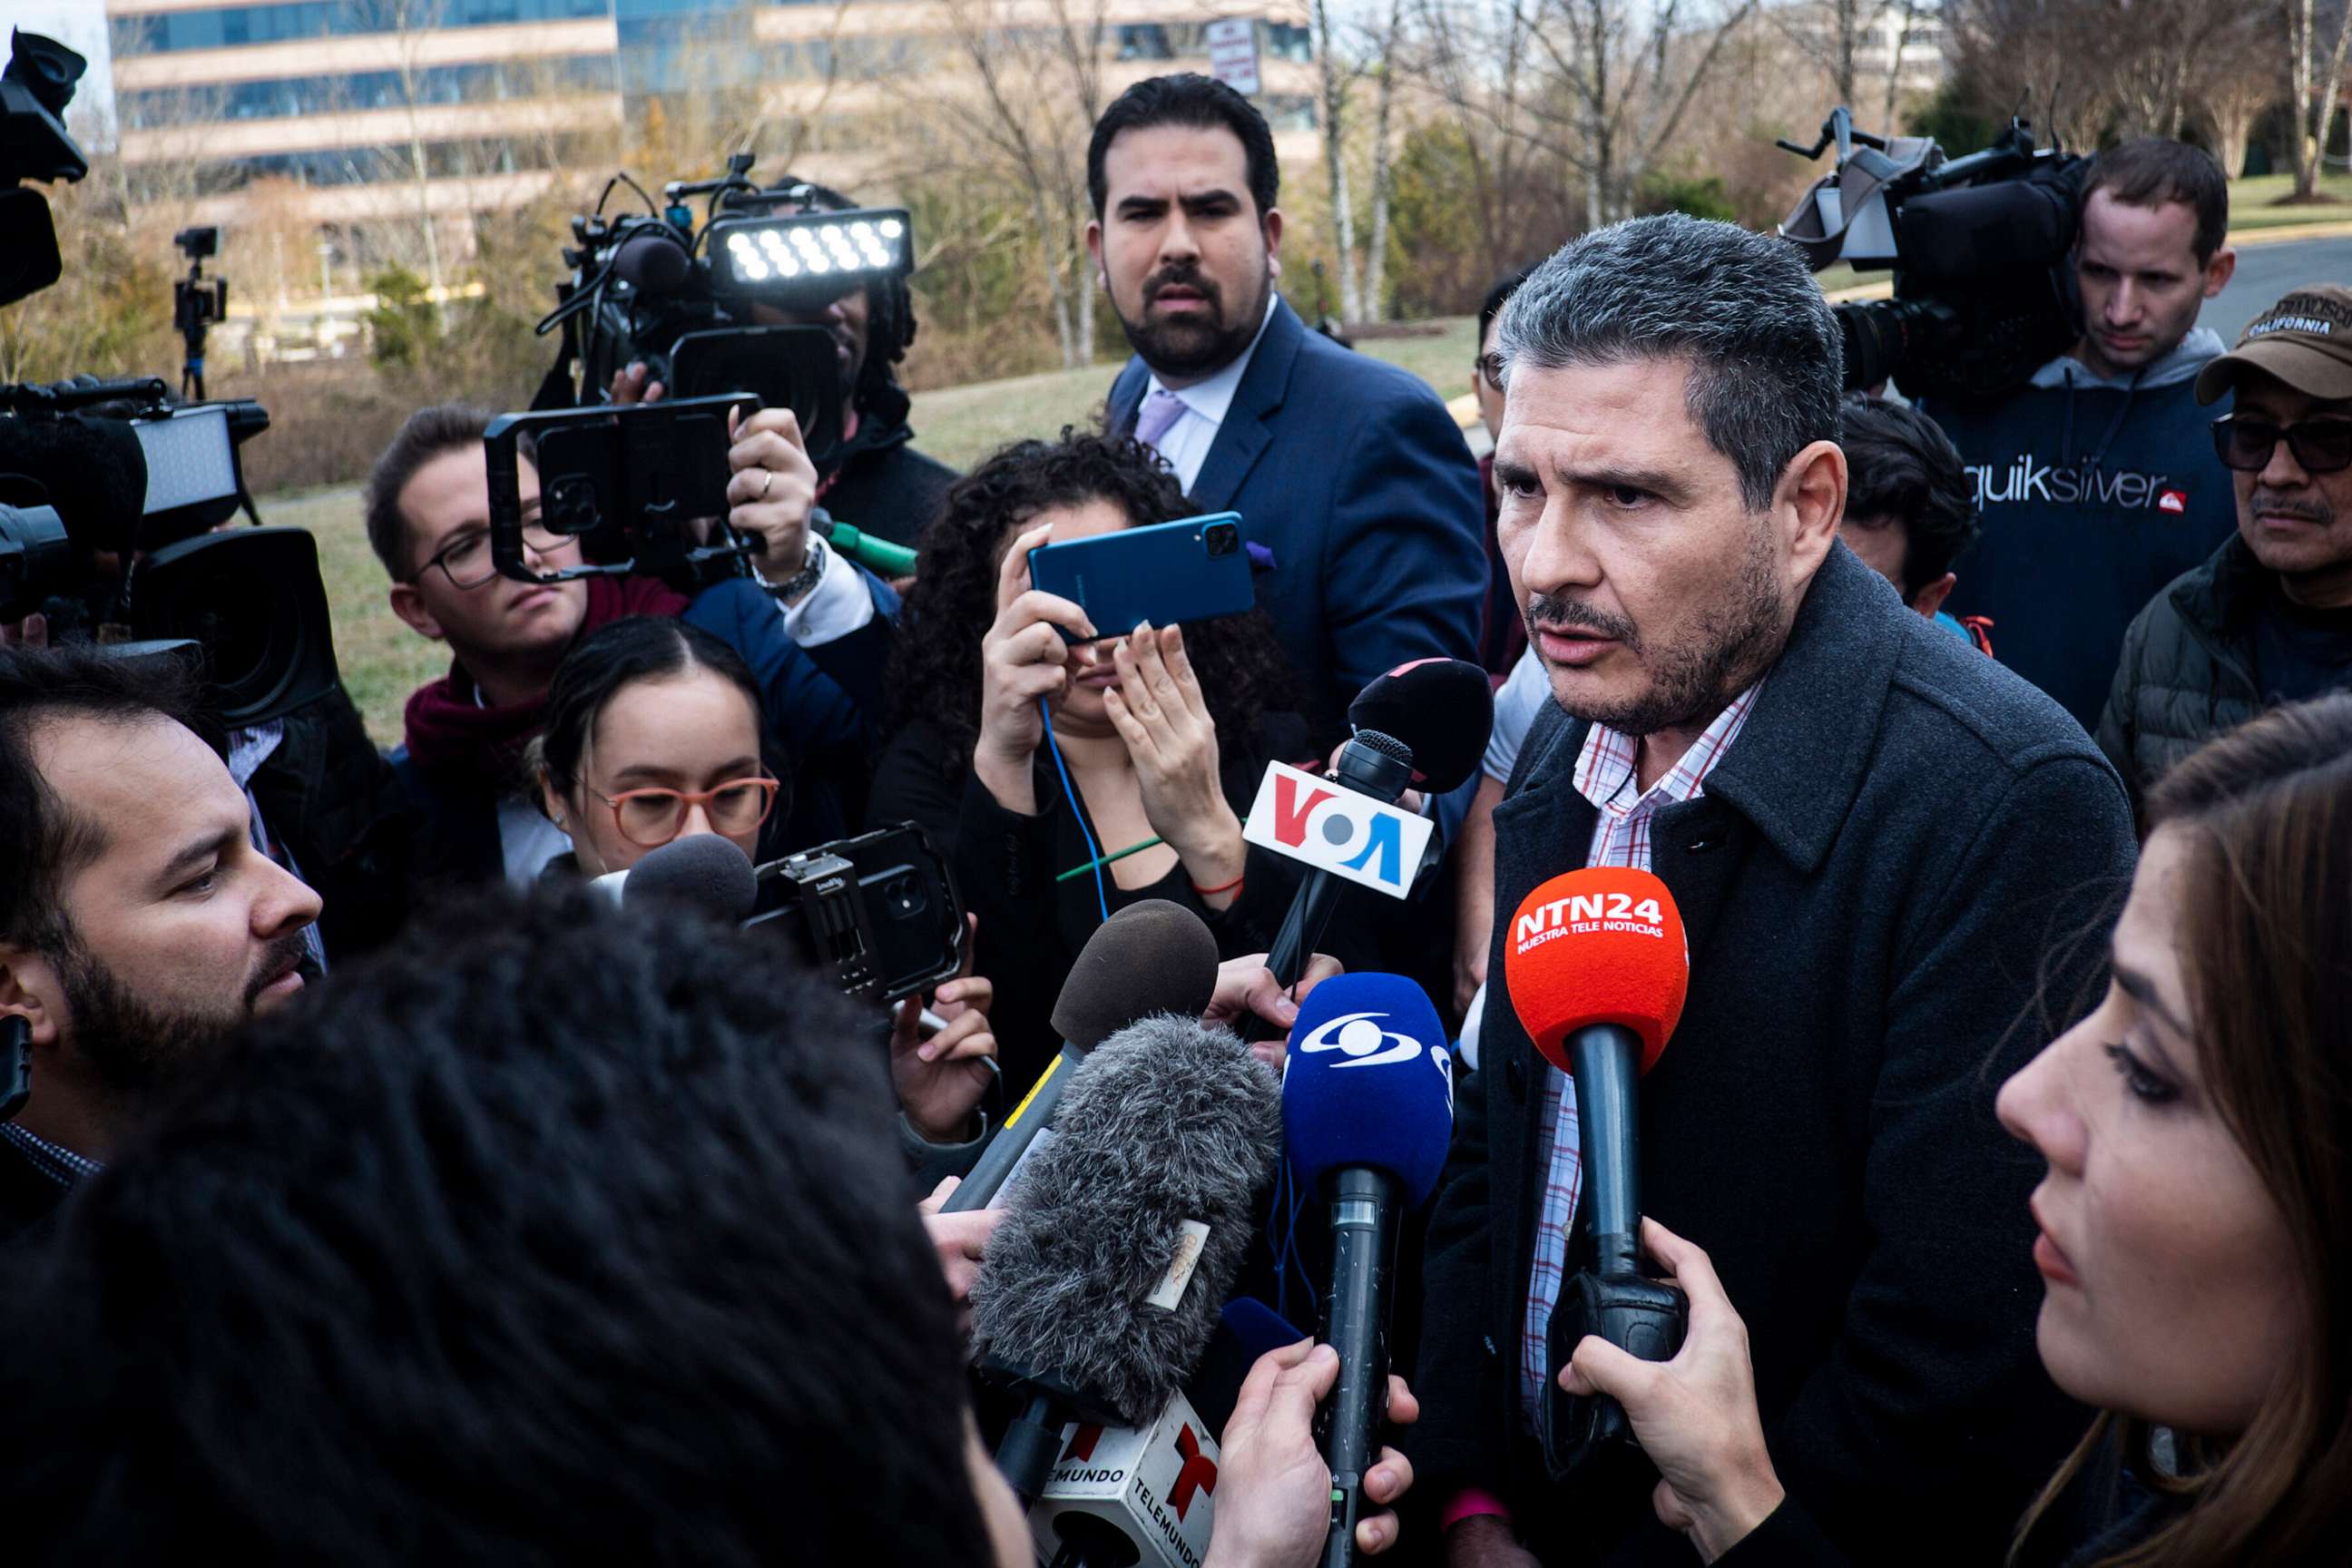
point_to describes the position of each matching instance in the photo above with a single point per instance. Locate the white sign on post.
(1232, 54)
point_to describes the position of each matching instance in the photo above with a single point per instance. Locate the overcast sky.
(80, 25)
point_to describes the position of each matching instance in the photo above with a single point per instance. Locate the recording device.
(36, 86)
(1977, 244)
(692, 304)
(1425, 723)
(1102, 1285)
(880, 910)
(642, 486)
(1152, 957)
(1598, 967)
(197, 303)
(1367, 1113)
(1166, 573)
(1123, 1494)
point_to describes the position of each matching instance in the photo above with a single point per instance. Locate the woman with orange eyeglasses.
(654, 733)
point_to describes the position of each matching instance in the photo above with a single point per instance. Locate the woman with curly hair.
(1164, 733)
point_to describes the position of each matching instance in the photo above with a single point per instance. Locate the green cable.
(1080, 870)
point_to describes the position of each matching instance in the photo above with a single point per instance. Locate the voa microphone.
(1100, 1288)
(1598, 968)
(1423, 723)
(1153, 957)
(1366, 1113)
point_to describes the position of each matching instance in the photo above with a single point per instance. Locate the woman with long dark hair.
(1066, 781)
(2195, 1225)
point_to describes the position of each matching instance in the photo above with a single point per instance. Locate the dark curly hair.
(936, 672)
(548, 1235)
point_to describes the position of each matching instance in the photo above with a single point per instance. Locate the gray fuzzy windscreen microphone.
(1111, 1269)
(704, 872)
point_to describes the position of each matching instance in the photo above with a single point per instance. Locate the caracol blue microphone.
(1367, 1113)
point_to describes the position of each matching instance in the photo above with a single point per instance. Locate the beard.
(1194, 345)
(143, 1054)
(1696, 679)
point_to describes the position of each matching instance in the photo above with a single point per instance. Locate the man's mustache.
(283, 954)
(1183, 278)
(2277, 505)
(1557, 613)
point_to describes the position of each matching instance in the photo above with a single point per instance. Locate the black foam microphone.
(1101, 1289)
(1151, 957)
(702, 872)
(1442, 709)
(652, 261)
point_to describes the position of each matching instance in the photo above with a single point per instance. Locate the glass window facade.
(285, 97)
(230, 27)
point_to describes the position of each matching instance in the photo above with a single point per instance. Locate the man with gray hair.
(1871, 832)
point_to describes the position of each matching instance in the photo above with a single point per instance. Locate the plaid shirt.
(1605, 776)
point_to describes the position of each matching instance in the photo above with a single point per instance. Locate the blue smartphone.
(1167, 573)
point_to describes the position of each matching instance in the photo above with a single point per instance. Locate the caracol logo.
(2025, 481)
(1588, 913)
(1351, 835)
(1359, 1037)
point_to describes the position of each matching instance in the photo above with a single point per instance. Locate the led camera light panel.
(823, 254)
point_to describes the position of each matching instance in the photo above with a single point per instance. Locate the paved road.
(2267, 272)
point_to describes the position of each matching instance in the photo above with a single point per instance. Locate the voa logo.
(1359, 1037)
(1351, 835)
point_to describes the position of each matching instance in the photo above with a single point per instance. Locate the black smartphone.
(879, 910)
(1166, 573)
(784, 367)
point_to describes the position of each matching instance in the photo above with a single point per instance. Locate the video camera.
(110, 491)
(684, 299)
(880, 910)
(1978, 246)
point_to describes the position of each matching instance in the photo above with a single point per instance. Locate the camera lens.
(1223, 539)
(904, 896)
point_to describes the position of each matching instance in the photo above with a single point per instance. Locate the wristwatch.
(811, 574)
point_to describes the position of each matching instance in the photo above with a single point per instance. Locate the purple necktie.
(1160, 411)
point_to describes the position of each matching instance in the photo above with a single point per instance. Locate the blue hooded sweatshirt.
(2094, 494)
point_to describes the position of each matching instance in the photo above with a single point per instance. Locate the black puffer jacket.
(2188, 669)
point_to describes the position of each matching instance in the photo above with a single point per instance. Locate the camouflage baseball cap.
(2304, 340)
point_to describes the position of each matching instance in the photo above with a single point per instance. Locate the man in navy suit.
(1358, 496)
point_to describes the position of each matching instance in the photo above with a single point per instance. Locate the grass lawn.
(382, 662)
(2253, 203)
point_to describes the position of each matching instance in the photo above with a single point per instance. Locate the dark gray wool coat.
(1880, 863)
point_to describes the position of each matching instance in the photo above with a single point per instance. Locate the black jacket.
(29, 1198)
(1869, 886)
(337, 804)
(1030, 926)
(2188, 667)
(884, 486)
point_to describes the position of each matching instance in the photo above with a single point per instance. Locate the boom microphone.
(1598, 967)
(1151, 957)
(1367, 1113)
(702, 872)
(1099, 1290)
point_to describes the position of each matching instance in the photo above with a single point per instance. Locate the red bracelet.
(1233, 887)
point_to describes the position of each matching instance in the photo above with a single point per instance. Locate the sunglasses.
(2245, 442)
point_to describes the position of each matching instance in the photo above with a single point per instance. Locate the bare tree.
(2238, 82)
(1909, 14)
(2319, 86)
(1384, 172)
(1022, 113)
(1832, 34)
(1337, 78)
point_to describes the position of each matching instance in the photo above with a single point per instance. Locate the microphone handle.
(1364, 1214)
(1604, 1060)
(1009, 1143)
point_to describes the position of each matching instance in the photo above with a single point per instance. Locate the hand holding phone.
(1026, 655)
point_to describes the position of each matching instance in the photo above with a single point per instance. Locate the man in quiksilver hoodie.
(2097, 482)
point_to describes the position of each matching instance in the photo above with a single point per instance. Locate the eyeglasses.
(2245, 442)
(650, 818)
(466, 560)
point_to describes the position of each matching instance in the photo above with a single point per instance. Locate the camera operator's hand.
(1163, 718)
(635, 384)
(1022, 659)
(1245, 989)
(1694, 1416)
(940, 1080)
(1273, 1491)
(772, 488)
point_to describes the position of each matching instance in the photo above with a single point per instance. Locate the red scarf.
(462, 741)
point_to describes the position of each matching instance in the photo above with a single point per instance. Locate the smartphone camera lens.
(904, 896)
(1223, 539)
